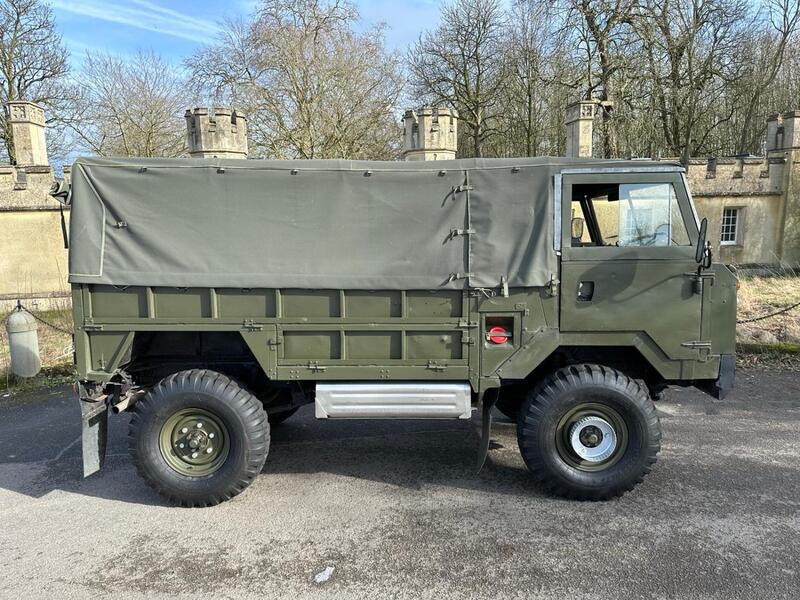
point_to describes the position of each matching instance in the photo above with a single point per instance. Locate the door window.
(627, 214)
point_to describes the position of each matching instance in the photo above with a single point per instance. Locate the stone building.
(430, 134)
(752, 203)
(33, 260)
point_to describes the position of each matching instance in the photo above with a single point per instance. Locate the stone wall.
(755, 186)
(33, 263)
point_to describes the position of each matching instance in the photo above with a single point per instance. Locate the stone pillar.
(580, 128)
(430, 134)
(787, 129)
(218, 133)
(27, 133)
(791, 130)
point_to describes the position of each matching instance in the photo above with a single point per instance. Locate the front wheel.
(589, 432)
(198, 438)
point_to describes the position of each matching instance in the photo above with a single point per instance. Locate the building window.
(729, 235)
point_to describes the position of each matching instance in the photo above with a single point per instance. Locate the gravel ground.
(394, 509)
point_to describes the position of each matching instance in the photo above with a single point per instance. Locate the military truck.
(213, 298)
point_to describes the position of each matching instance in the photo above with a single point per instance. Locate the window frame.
(737, 232)
(671, 175)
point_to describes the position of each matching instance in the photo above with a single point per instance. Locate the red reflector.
(498, 335)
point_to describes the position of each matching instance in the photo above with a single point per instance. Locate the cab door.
(627, 270)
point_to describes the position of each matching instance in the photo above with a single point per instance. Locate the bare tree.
(132, 106)
(33, 61)
(460, 63)
(765, 50)
(690, 45)
(312, 85)
(604, 36)
(530, 74)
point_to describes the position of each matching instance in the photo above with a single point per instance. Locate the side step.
(393, 401)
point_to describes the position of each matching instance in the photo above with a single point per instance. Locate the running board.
(393, 401)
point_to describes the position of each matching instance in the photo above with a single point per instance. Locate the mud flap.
(94, 432)
(489, 399)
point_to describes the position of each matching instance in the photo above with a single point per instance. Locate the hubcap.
(591, 436)
(194, 442)
(593, 439)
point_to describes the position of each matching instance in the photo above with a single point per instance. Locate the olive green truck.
(214, 298)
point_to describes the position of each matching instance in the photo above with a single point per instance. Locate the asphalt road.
(394, 509)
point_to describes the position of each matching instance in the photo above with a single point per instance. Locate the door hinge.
(273, 343)
(467, 340)
(316, 367)
(251, 325)
(466, 324)
(435, 366)
(463, 188)
(697, 344)
(92, 327)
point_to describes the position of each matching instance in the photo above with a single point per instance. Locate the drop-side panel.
(393, 401)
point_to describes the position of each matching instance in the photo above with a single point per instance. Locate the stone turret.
(783, 131)
(580, 128)
(218, 133)
(27, 132)
(430, 134)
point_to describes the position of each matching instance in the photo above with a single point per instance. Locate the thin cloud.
(143, 14)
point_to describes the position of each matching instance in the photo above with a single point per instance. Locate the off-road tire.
(242, 415)
(569, 389)
(276, 419)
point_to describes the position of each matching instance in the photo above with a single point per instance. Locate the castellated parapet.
(430, 134)
(216, 133)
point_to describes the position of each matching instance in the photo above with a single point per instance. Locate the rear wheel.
(589, 432)
(198, 438)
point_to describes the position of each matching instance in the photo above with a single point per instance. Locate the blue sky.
(174, 28)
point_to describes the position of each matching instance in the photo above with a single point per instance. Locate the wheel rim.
(591, 437)
(194, 442)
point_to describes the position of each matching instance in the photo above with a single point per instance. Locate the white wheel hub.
(593, 439)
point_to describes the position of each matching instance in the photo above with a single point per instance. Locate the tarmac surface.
(366, 509)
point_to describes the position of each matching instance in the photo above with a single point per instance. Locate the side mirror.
(577, 228)
(701, 241)
(702, 254)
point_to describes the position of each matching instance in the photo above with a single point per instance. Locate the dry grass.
(764, 295)
(775, 341)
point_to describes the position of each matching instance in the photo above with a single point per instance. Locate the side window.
(628, 214)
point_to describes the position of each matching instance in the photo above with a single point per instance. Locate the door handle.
(585, 291)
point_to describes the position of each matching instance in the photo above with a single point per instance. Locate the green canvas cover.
(314, 224)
